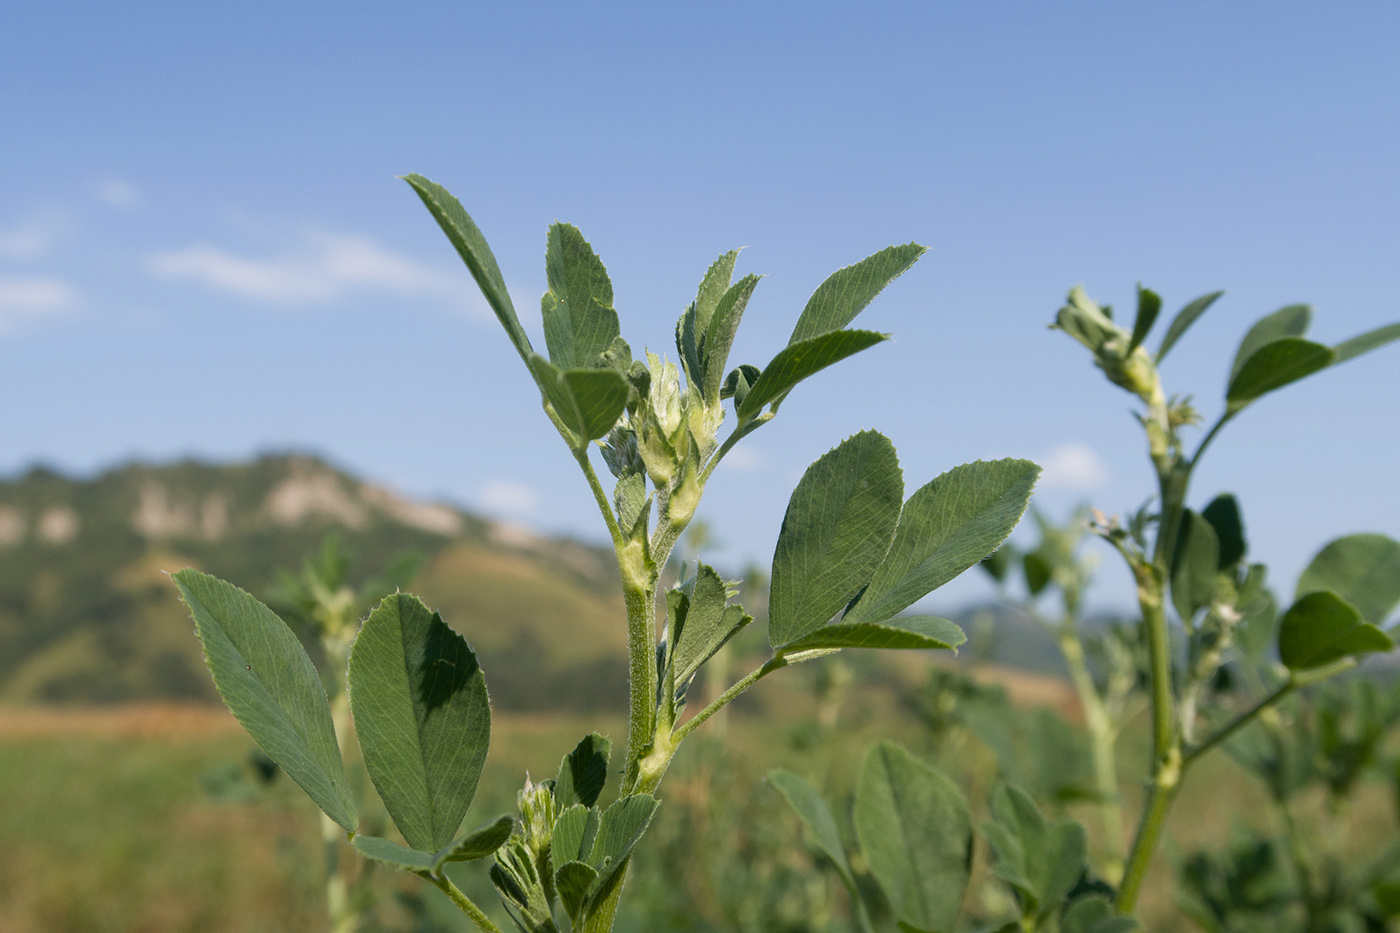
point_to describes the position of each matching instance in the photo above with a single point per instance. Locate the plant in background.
(852, 555)
(1193, 562)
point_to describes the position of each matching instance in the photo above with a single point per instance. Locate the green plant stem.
(1295, 682)
(1101, 742)
(739, 433)
(641, 663)
(1210, 436)
(599, 495)
(728, 696)
(464, 903)
(1161, 793)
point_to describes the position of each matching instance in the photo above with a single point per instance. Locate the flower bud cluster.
(1126, 366)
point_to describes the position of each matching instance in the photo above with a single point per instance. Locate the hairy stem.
(599, 495)
(464, 903)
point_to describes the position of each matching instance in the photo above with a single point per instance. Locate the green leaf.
(708, 623)
(719, 337)
(916, 831)
(270, 685)
(1183, 320)
(1223, 514)
(713, 287)
(1038, 572)
(847, 291)
(1042, 861)
(574, 831)
(579, 321)
(477, 844)
(622, 826)
(1363, 569)
(816, 815)
(1365, 343)
(1321, 628)
(1274, 366)
(583, 772)
(422, 718)
(1194, 566)
(838, 525)
(471, 246)
(1292, 321)
(947, 526)
(391, 853)
(1095, 914)
(1149, 306)
(916, 632)
(739, 381)
(797, 361)
(572, 880)
(588, 401)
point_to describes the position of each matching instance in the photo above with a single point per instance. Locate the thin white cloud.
(36, 238)
(1073, 466)
(508, 497)
(118, 193)
(25, 300)
(326, 267)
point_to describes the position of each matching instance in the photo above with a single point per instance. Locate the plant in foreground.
(851, 556)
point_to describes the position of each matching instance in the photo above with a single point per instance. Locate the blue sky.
(204, 249)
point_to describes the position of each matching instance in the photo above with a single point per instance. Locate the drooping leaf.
(816, 815)
(847, 291)
(1183, 320)
(462, 231)
(1223, 514)
(579, 323)
(271, 687)
(477, 844)
(838, 525)
(1363, 569)
(1292, 321)
(422, 717)
(588, 401)
(1194, 566)
(709, 623)
(915, 828)
(739, 381)
(1365, 343)
(583, 772)
(1274, 366)
(947, 526)
(1321, 628)
(1042, 861)
(797, 361)
(917, 632)
(391, 853)
(1149, 306)
(719, 336)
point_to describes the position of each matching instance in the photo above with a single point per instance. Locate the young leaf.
(1292, 321)
(572, 880)
(719, 336)
(1194, 566)
(1321, 628)
(816, 815)
(477, 844)
(797, 361)
(917, 632)
(947, 526)
(1223, 514)
(916, 831)
(1149, 306)
(588, 401)
(574, 831)
(270, 685)
(1362, 569)
(393, 854)
(708, 624)
(1274, 366)
(422, 718)
(621, 827)
(583, 772)
(579, 322)
(471, 246)
(1367, 342)
(847, 291)
(1183, 320)
(713, 287)
(839, 523)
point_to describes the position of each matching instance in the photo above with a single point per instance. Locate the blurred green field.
(150, 820)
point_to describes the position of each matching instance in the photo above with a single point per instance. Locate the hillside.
(87, 614)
